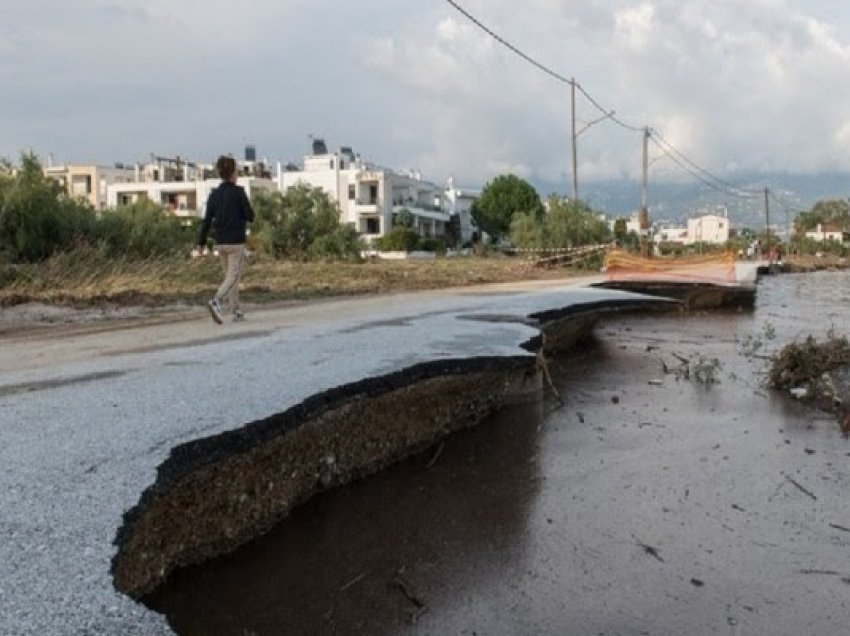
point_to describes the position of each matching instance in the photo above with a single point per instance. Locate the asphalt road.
(646, 503)
(86, 418)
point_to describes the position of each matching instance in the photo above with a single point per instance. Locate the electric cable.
(688, 165)
(733, 191)
(721, 184)
(558, 76)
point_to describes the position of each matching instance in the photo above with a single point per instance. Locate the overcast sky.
(736, 85)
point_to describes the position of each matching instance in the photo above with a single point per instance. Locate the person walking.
(228, 212)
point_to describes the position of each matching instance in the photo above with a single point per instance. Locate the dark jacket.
(228, 210)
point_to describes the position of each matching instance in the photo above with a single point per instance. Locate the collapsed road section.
(215, 494)
(90, 421)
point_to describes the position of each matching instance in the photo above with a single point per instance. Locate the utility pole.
(643, 215)
(574, 138)
(577, 133)
(767, 222)
(787, 249)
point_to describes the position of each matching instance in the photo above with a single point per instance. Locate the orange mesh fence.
(718, 269)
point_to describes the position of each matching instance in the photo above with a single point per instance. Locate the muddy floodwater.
(647, 504)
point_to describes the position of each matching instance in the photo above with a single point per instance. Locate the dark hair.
(226, 167)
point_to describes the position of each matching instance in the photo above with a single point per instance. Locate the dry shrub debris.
(818, 372)
(800, 364)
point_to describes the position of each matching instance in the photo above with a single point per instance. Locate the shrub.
(36, 218)
(303, 223)
(343, 244)
(398, 239)
(566, 224)
(429, 244)
(142, 230)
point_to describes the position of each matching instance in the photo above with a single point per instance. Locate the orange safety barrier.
(718, 269)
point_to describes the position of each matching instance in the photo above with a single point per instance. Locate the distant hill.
(675, 202)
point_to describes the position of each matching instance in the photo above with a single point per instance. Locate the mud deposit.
(645, 505)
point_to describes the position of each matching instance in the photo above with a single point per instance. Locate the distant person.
(228, 212)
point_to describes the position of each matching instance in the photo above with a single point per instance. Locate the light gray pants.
(232, 259)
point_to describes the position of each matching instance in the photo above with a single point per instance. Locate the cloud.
(740, 84)
(749, 83)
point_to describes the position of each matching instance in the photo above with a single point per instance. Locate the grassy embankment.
(87, 280)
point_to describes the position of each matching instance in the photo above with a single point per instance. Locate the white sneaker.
(215, 311)
(238, 315)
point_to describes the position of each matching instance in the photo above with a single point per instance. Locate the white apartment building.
(187, 199)
(712, 227)
(459, 202)
(368, 195)
(670, 234)
(823, 233)
(179, 186)
(89, 182)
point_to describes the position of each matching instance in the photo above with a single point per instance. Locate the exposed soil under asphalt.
(646, 504)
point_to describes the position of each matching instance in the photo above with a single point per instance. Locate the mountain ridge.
(675, 202)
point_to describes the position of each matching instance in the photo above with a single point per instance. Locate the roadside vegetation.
(84, 277)
(55, 248)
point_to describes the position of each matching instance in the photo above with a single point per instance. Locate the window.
(372, 226)
(352, 192)
(332, 164)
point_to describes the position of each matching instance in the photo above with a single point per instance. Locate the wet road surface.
(87, 417)
(646, 504)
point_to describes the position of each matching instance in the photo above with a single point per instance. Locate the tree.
(573, 223)
(403, 218)
(36, 218)
(832, 211)
(836, 211)
(501, 199)
(566, 224)
(287, 225)
(621, 228)
(526, 230)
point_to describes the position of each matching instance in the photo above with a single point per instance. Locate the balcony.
(371, 206)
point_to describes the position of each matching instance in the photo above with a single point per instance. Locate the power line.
(558, 76)
(510, 46)
(604, 111)
(681, 162)
(785, 204)
(703, 175)
(688, 165)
